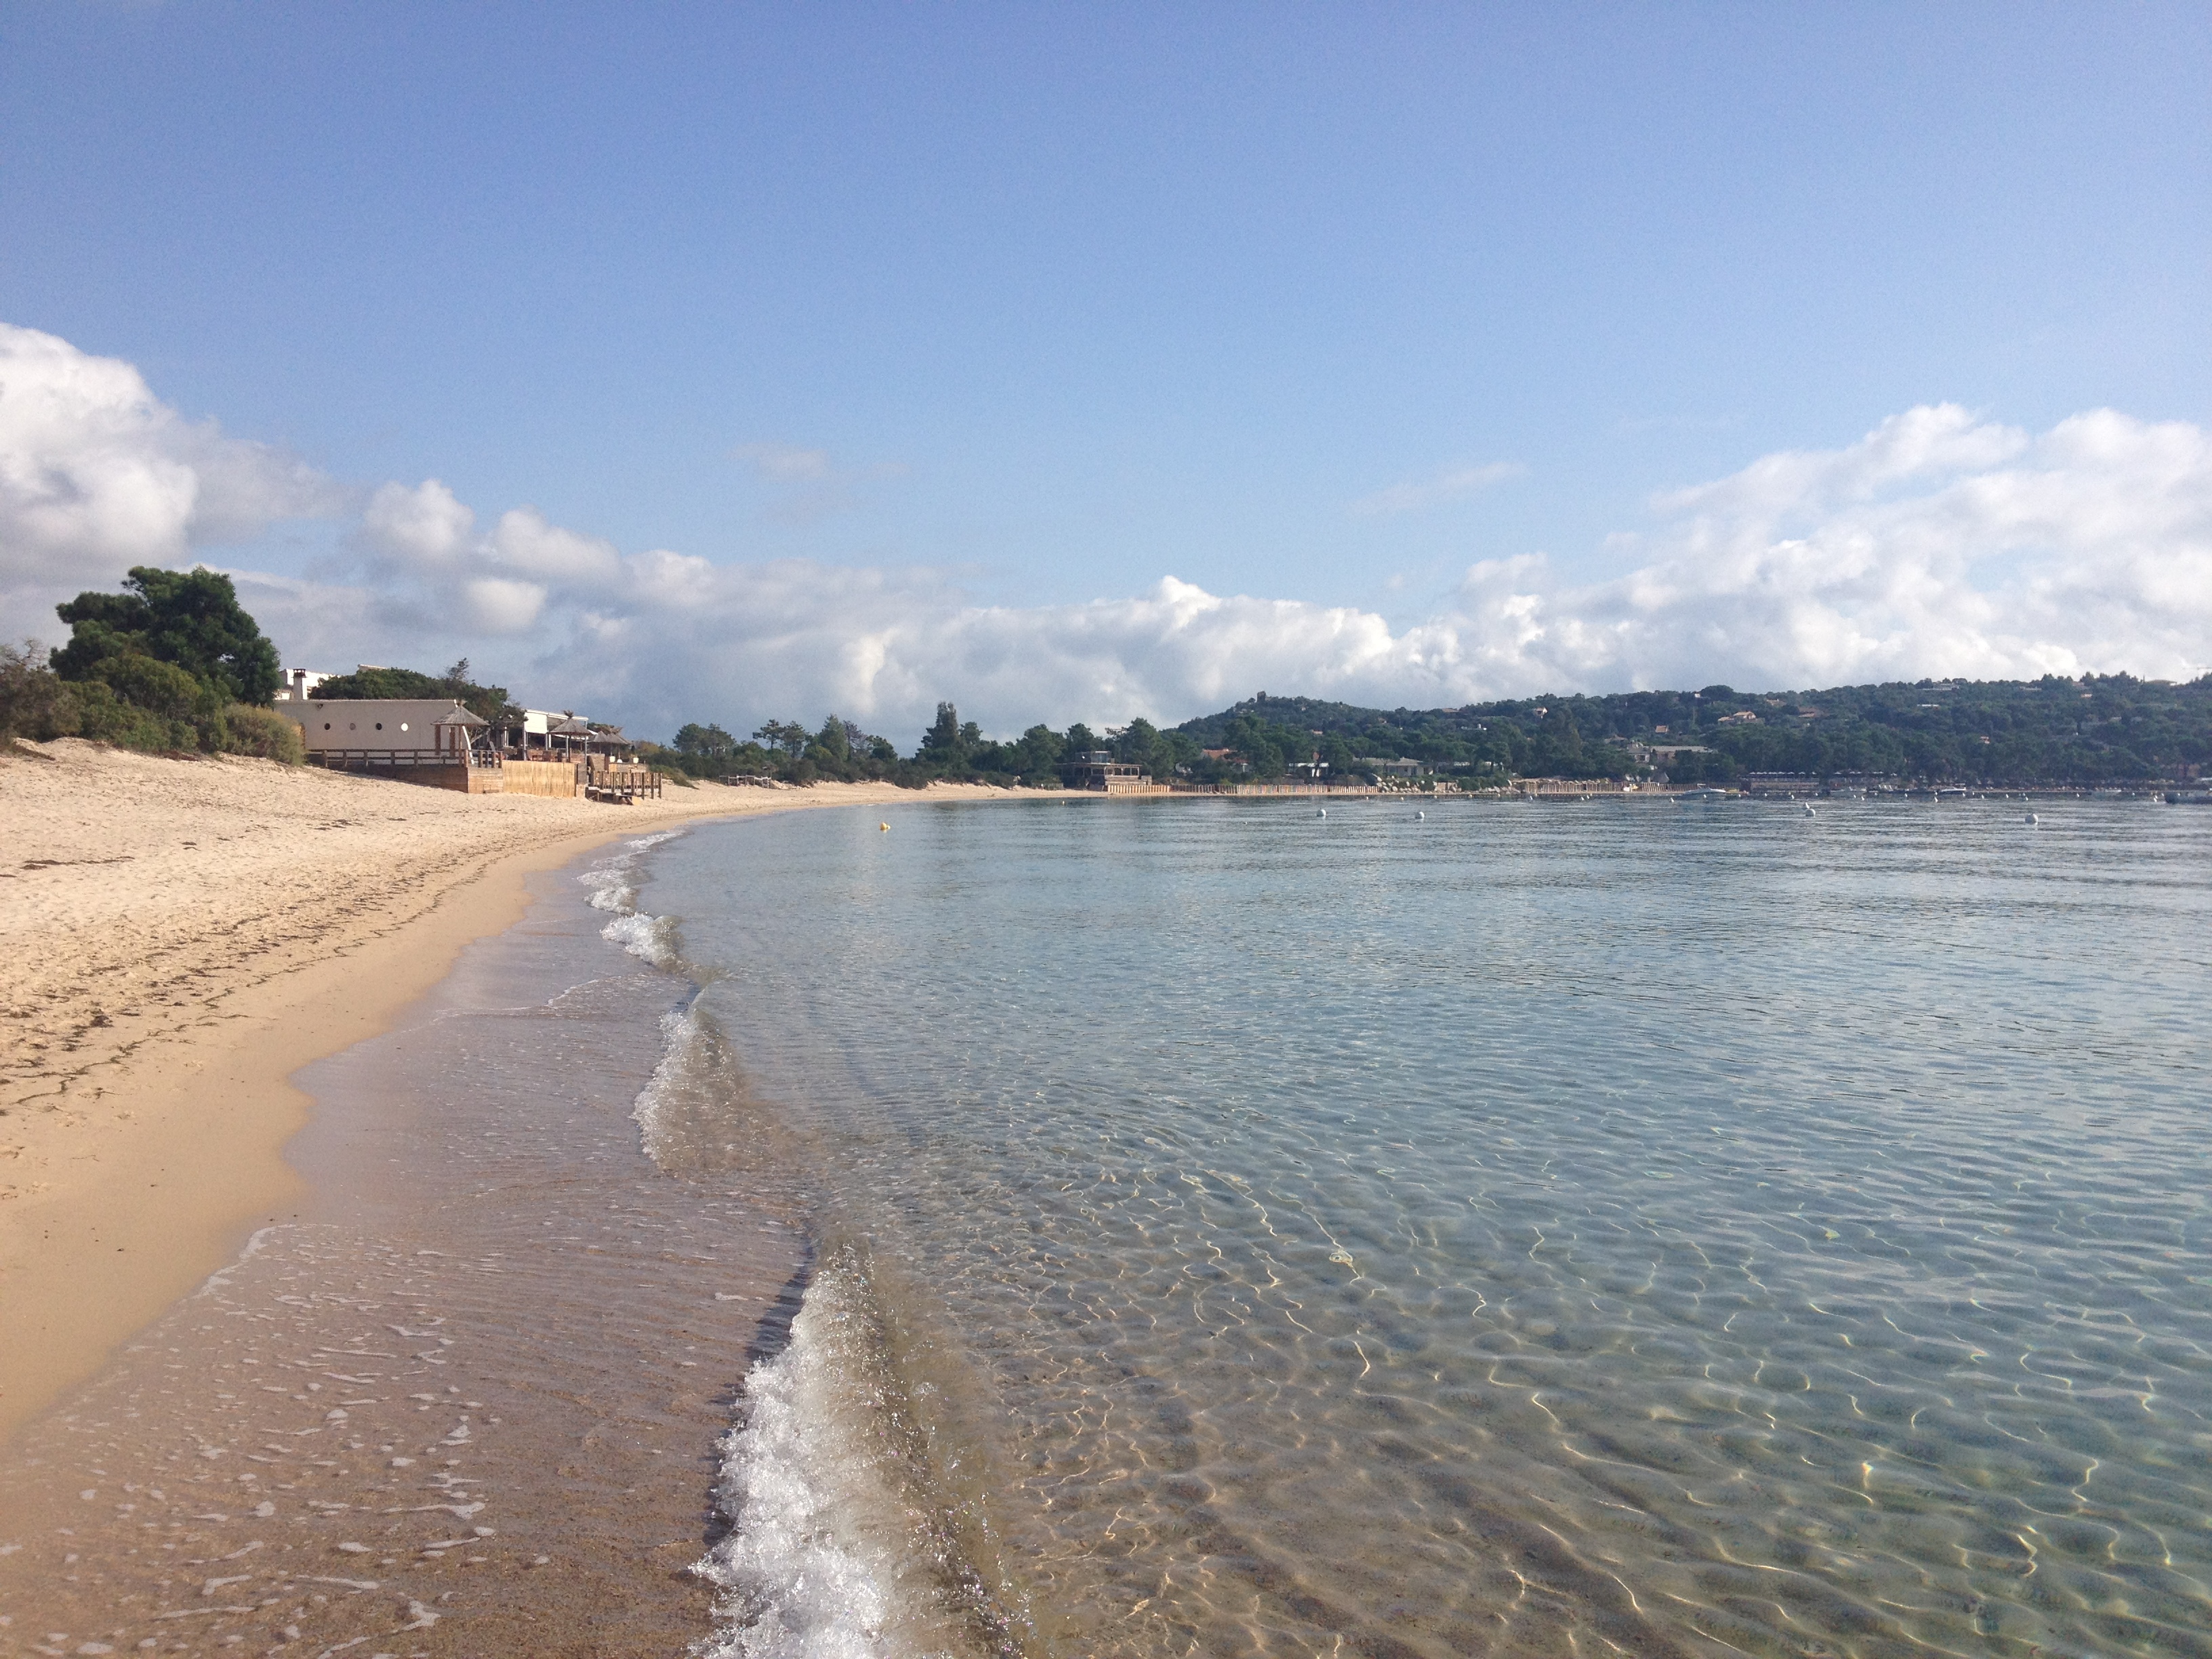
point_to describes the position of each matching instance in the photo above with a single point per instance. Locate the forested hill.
(2052, 730)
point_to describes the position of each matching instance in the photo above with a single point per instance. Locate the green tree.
(784, 737)
(486, 702)
(833, 742)
(705, 743)
(946, 745)
(190, 618)
(1037, 755)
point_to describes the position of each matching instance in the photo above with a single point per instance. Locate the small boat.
(1689, 795)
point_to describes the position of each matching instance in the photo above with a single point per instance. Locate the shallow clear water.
(1625, 1229)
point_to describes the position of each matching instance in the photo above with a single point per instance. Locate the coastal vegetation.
(488, 702)
(2098, 728)
(172, 664)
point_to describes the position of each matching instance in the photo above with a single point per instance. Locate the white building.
(370, 731)
(299, 684)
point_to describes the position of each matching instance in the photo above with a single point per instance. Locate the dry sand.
(179, 937)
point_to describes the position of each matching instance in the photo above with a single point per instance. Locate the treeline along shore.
(2050, 732)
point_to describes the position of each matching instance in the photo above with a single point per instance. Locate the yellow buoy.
(882, 826)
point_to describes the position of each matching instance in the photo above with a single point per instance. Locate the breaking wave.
(614, 884)
(847, 1541)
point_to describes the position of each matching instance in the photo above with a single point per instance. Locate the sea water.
(1612, 1228)
(1191, 1226)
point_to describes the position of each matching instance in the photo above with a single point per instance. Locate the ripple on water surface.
(1527, 1231)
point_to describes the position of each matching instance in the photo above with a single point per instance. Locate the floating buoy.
(1808, 809)
(2032, 818)
(1323, 813)
(1418, 816)
(882, 826)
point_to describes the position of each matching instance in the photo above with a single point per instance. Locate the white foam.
(812, 1569)
(682, 1043)
(613, 883)
(650, 937)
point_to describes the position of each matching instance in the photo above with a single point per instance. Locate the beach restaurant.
(436, 741)
(431, 740)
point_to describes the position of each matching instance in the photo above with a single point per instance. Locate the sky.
(734, 362)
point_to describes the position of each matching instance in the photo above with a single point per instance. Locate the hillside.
(2098, 728)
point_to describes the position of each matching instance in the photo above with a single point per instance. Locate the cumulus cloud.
(97, 475)
(424, 529)
(1939, 543)
(1451, 483)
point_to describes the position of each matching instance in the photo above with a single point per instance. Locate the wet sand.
(463, 1397)
(183, 936)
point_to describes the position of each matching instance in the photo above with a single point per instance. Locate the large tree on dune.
(190, 618)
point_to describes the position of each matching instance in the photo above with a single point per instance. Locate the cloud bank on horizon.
(1941, 544)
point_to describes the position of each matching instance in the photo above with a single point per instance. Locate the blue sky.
(1016, 309)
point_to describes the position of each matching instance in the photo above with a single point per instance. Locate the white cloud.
(786, 463)
(1451, 483)
(526, 543)
(1938, 544)
(96, 475)
(423, 529)
(494, 605)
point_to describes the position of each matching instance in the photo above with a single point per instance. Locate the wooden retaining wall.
(554, 780)
(466, 779)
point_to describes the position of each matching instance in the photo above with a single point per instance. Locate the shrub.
(107, 718)
(34, 702)
(160, 688)
(263, 732)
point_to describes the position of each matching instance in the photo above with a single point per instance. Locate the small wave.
(841, 1547)
(683, 1057)
(805, 1575)
(653, 939)
(614, 887)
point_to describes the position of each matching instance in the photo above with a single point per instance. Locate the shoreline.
(159, 1017)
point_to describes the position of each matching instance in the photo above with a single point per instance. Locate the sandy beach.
(182, 936)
